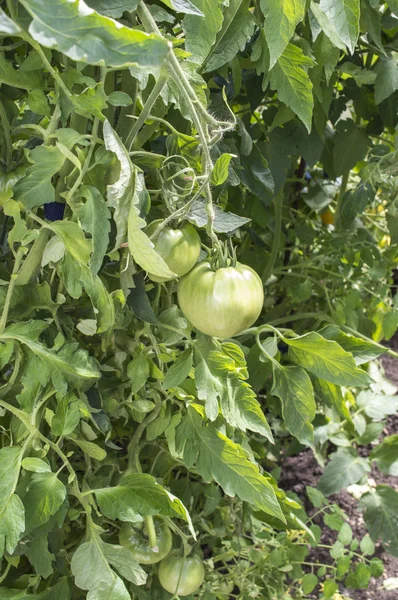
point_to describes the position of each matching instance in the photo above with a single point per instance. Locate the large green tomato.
(138, 542)
(181, 575)
(221, 302)
(179, 248)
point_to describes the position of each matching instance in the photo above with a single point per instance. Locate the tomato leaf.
(101, 40)
(281, 19)
(325, 359)
(293, 386)
(344, 469)
(179, 370)
(36, 188)
(381, 516)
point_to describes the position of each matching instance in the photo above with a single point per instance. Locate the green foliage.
(271, 127)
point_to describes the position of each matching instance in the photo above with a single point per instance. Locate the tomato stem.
(146, 109)
(278, 202)
(32, 262)
(151, 533)
(10, 290)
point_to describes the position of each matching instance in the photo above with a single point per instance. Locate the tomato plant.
(183, 324)
(181, 575)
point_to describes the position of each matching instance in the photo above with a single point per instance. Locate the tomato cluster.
(181, 575)
(219, 302)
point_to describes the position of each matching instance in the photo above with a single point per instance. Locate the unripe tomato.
(225, 590)
(181, 575)
(327, 217)
(221, 302)
(138, 543)
(179, 248)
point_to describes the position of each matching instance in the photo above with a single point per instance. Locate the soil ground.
(302, 470)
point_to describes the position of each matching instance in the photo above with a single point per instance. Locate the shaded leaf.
(36, 188)
(224, 222)
(237, 28)
(201, 31)
(344, 469)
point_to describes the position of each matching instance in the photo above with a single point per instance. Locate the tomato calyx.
(223, 255)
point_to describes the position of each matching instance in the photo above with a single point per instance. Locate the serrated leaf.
(123, 561)
(36, 188)
(183, 6)
(350, 145)
(387, 78)
(386, 455)
(92, 572)
(138, 372)
(220, 172)
(362, 351)
(45, 495)
(113, 8)
(290, 79)
(17, 78)
(91, 449)
(39, 556)
(78, 246)
(381, 516)
(327, 26)
(237, 29)
(142, 248)
(344, 16)
(86, 36)
(138, 494)
(281, 19)
(224, 222)
(179, 370)
(69, 364)
(344, 469)
(218, 378)
(326, 359)
(12, 523)
(333, 396)
(201, 31)
(293, 386)
(38, 103)
(376, 405)
(219, 458)
(353, 203)
(67, 416)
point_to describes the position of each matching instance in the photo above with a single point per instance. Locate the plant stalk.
(278, 202)
(10, 290)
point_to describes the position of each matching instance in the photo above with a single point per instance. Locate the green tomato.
(179, 248)
(221, 302)
(181, 575)
(138, 542)
(225, 590)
